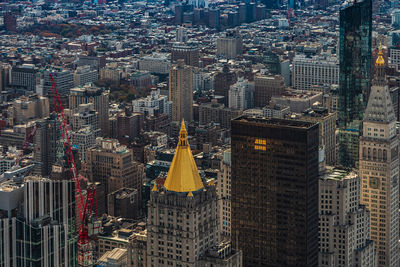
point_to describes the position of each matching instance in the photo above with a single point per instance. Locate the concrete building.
(217, 113)
(222, 82)
(124, 203)
(317, 70)
(129, 126)
(298, 101)
(344, 236)
(327, 130)
(379, 168)
(85, 115)
(241, 95)
(84, 75)
(113, 258)
(189, 53)
(63, 79)
(273, 110)
(141, 79)
(230, 46)
(181, 91)
(83, 139)
(187, 210)
(224, 196)
(113, 74)
(265, 87)
(28, 108)
(95, 95)
(153, 104)
(156, 63)
(112, 164)
(24, 76)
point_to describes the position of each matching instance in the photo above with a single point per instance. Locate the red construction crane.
(85, 205)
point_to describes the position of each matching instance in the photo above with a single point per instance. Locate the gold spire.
(190, 194)
(183, 175)
(380, 61)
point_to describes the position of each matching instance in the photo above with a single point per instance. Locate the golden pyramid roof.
(380, 61)
(183, 175)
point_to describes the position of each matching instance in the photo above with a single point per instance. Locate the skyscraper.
(41, 229)
(182, 220)
(275, 191)
(354, 76)
(181, 91)
(379, 168)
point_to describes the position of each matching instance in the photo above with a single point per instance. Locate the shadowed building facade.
(275, 191)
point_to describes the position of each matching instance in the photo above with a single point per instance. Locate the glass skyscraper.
(354, 77)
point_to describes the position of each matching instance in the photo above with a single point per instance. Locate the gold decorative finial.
(183, 175)
(154, 187)
(380, 61)
(190, 194)
(211, 183)
(183, 138)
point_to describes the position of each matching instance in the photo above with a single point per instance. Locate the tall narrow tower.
(379, 168)
(181, 91)
(182, 216)
(354, 76)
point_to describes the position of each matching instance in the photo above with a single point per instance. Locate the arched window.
(374, 154)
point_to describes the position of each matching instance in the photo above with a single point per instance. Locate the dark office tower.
(178, 14)
(261, 12)
(10, 22)
(222, 82)
(190, 53)
(354, 76)
(213, 18)
(251, 12)
(275, 191)
(45, 144)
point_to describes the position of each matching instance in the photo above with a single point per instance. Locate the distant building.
(124, 203)
(224, 184)
(5, 76)
(273, 110)
(129, 126)
(222, 82)
(10, 22)
(113, 258)
(141, 79)
(95, 62)
(241, 95)
(314, 71)
(95, 95)
(24, 76)
(63, 79)
(156, 63)
(28, 108)
(265, 87)
(217, 113)
(84, 75)
(189, 53)
(181, 91)
(230, 46)
(344, 222)
(298, 101)
(112, 164)
(153, 104)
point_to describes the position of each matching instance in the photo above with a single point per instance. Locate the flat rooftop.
(275, 121)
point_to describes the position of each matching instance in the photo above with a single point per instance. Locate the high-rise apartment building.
(5, 76)
(183, 215)
(265, 87)
(218, 113)
(112, 164)
(317, 70)
(230, 46)
(181, 91)
(344, 224)
(379, 168)
(63, 79)
(354, 76)
(189, 53)
(47, 135)
(28, 108)
(275, 191)
(40, 229)
(95, 95)
(153, 104)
